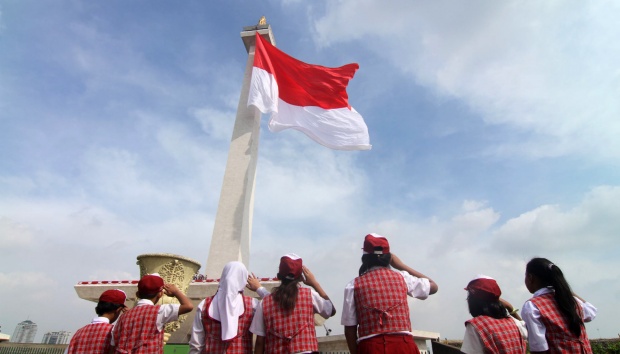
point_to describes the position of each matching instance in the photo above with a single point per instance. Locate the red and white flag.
(310, 98)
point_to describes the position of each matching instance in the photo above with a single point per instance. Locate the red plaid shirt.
(136, 331)
(93, 338)
(499, 336)
(559, 338)
(291, 332)
(241, 344)
(381, 302)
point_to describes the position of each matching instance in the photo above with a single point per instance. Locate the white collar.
(543, 291)
(143, 302)
(100, 320)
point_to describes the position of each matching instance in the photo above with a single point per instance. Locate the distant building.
(24, 332)
(60, 337)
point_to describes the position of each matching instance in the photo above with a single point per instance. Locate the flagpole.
(232, 229)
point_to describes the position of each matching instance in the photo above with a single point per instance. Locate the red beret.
(150, 284)
(484, 287)
(290, 264)
(113, 296)
(373, 241)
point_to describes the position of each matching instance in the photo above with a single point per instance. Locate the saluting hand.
(253, 282)
(171, 289)
(308, 277)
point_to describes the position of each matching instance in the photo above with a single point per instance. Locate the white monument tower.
(233, 222)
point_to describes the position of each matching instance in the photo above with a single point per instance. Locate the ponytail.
(550, 274)
(285, 295)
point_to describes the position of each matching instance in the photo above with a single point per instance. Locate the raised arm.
(398, 264)
(511, 310)
(310, 280)
(186, 303)
(589, 310)
(255, 285)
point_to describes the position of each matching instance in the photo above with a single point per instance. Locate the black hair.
(285, 295)
(550, 274)
(485, 307)
(106, 307)
(147, 296)
(373, 260)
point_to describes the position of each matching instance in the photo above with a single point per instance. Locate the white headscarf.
(227, 304)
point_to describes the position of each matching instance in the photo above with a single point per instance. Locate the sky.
(494, 130)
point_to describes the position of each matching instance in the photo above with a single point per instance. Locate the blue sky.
(494, 129)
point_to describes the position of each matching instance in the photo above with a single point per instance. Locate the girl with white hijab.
(222, 322)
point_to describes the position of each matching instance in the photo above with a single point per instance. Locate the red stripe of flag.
(303, 84)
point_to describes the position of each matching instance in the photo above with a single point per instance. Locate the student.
(554, 315)
(94, 338)
(222, 322)
(284, 320)
(495, 327)
(375, 311)
(141, 329)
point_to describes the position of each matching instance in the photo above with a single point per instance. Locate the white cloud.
(298, 179)
(590, 226)
(14, 184)
(546, 69)
(215, 123)
(27, 281)
(13, 234)
(119, 174)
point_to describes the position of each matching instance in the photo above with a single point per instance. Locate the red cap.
(484, 287)
(290, 265)
(373, 241)
(113, 296)
(150, 284)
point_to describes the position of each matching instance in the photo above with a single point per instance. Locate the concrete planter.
(174, 269)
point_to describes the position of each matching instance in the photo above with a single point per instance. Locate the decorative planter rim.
(170, 255)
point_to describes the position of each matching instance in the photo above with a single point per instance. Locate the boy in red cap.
(284, 320)
(492, 330)
(141, 329)
(375, 311)
(95, 337)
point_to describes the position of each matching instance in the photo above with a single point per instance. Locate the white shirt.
(166, 313)
(197, 340)
(321, 306)
(419, 288)
(472, 343)
(536, 329)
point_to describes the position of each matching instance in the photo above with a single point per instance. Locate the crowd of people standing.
(375, 312)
